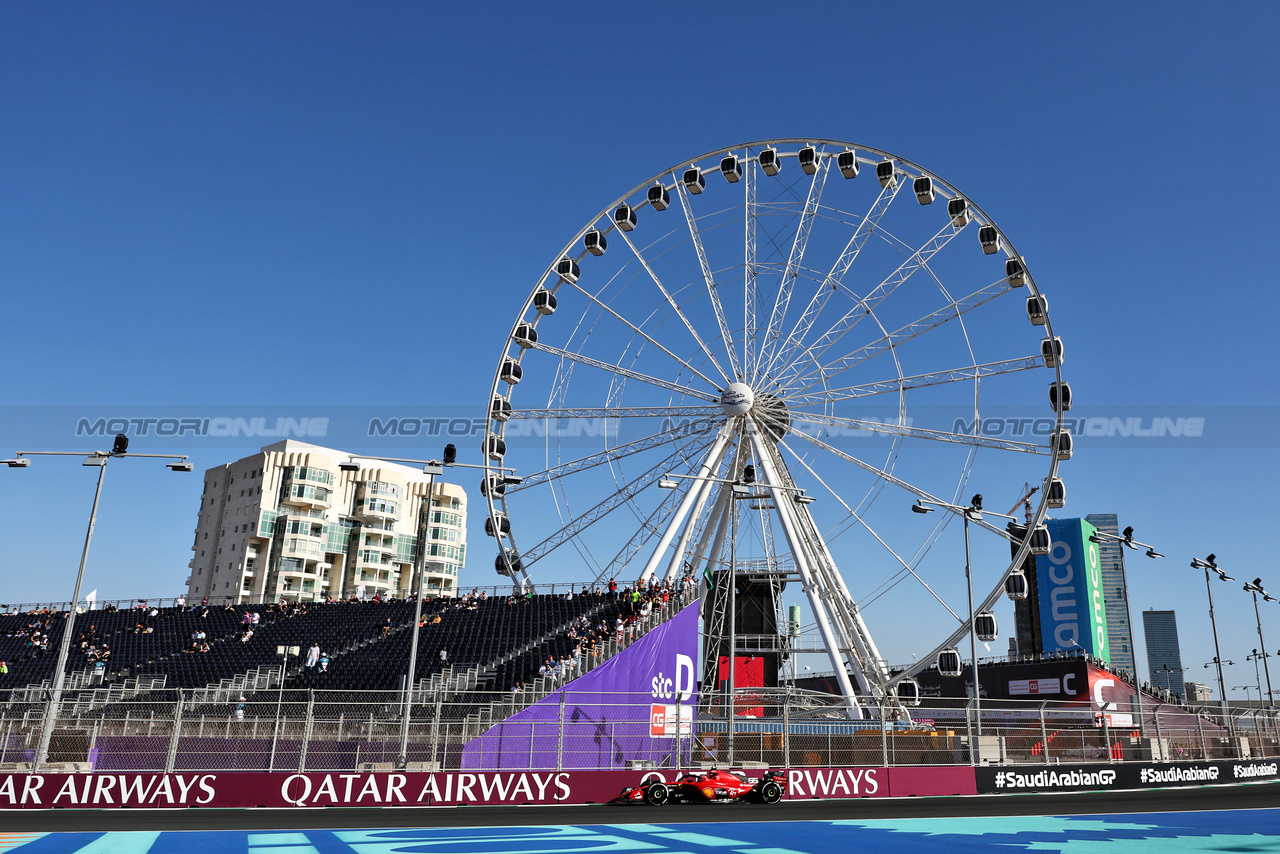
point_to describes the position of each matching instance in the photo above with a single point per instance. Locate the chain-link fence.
(317, 730)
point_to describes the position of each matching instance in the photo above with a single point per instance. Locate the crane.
(1025, 501)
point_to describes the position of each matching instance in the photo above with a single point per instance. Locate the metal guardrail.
(318, 730)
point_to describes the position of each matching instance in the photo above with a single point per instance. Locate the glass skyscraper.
(1115, 593)
(1164, 657)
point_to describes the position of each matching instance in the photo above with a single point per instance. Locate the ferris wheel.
(763, 354)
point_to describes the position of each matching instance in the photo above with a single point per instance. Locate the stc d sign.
(1069, 585)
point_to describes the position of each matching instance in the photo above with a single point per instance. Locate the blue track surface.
(1168, 833)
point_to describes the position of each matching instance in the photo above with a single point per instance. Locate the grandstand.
(499, 647)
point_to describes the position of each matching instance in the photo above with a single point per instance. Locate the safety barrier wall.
(331, 731)
(383, 789)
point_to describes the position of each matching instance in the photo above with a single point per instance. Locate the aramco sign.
(1073, 614)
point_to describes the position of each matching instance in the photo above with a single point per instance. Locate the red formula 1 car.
(708, 787)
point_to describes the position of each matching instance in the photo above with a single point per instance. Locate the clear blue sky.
(328, 205)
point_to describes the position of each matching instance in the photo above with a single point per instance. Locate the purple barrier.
(622, 711)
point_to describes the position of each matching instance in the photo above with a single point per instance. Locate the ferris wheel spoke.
(708, 278)
(675, 306)
(888, 478)
(649, 527)
(834, 279)
(906, 567)
(919, 433)
(786, 283)
(955, 375)
(867, 304)
(749, 264)
(664, 437)
(620, 371)
(637, 330)
(624, 495)
(953, 310)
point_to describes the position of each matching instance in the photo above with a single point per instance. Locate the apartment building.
(299, 521)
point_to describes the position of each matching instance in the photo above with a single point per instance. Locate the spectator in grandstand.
(4, 668)
(246, 635)
(435, 619)
(256, 619)
(313, 655)
(246, 618)
(444, 656)
(324, 662)
(386, 627)
(613, 588)
(238, 712)
(180, 602)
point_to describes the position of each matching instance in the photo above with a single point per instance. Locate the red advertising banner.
(382, 789)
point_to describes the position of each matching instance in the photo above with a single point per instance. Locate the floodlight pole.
(1252, 588)
(431, 469)
(99, 459)
(973, 511)
(1217, 649)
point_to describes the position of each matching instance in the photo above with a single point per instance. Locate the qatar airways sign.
(237, 790)
(1073, 614)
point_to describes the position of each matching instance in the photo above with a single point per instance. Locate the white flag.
(91, 599)
(360, 592)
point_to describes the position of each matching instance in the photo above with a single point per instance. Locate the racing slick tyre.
(770, 792)
(657, 794)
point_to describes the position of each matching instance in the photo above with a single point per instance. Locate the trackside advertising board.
(382, 789)
(1069, 585)
(1012, 779)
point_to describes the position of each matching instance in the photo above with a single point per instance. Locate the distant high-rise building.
(1164, 657)
(1115, 593)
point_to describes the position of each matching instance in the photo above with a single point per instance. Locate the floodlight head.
(918, 507)
(1267, 597)
(749, 474)
(1222, 575)
(1153, 553)
(121, 445)
(1128, 533)
(18, 463)
(433, 468)
(512, 480)
(740, 489)
(450, 455)
(976, 502)
(1257, 582)
(349, 465)
(804, 499)
(667, 483)
(1210, 560)
(179, 466)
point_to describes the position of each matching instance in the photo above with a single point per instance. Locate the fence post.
(171, 760)
(786, 729)
(884, 736)
(1159, 736)
(435, 732)
(968, 729)
(1204, 751)
(1043, 731)
(306, 730)
(559, 735)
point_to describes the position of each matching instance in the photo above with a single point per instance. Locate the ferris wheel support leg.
(814, 590)
(709, 463)
(714, 521)
(700, 503)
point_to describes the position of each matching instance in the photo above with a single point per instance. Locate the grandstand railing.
(319, 730)
(557, 589)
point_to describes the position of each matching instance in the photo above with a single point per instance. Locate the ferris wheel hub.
(737, 399)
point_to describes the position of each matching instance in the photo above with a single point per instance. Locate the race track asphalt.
(1242, 796)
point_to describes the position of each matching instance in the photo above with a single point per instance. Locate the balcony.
(302, 547)
(303, 494)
